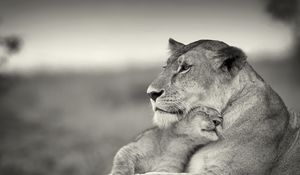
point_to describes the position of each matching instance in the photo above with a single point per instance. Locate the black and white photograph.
(149, 87)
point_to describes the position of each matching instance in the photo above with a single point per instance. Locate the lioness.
(260, 135)
(167, 149)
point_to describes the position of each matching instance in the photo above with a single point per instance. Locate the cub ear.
(174, 45)
(230, 59)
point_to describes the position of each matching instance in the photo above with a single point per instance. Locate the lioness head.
(198, 74)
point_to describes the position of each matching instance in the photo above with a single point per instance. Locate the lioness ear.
(174, 45)
(230, 59)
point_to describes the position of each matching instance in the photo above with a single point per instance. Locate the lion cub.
(167, 149)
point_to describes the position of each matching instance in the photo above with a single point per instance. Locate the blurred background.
(73, 74)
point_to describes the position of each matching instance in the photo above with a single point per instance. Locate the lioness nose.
(217, 122)
(155, 94)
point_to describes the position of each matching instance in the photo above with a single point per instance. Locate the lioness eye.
(184, 68)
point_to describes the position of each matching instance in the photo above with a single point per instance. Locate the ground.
(73, 123)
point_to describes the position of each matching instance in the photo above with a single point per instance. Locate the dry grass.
(72, 124)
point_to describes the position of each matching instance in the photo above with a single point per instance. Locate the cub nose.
(155, 94)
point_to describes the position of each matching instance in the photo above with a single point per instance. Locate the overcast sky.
(105, 33)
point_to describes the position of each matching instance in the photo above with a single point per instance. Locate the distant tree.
(10, 45)
(287, 11)
(284, 10)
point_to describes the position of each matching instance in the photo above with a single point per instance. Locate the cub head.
(201, 125)
(198, 74)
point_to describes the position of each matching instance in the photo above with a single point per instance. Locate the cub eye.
(184, 68)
